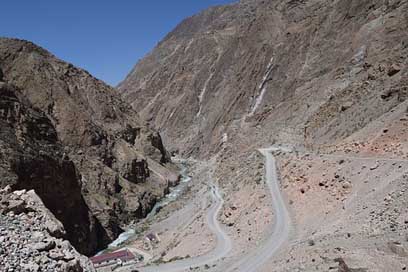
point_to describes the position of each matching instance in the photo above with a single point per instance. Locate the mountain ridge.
(102, 136)
(325, 82)
(229, 58)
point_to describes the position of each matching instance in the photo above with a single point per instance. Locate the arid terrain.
(326, 80)
(287, 121)
(85, 152)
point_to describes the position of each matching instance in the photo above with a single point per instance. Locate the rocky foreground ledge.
(31, 238)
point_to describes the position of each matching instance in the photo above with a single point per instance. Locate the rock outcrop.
(317, 77)
(343, 267)
(31, 157)
(304, 72)
(73, 140)
(31, 237)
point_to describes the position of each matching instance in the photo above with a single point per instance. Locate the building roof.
(124, 255)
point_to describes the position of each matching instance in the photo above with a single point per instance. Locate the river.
(174, 194)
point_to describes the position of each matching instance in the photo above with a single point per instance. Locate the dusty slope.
(31, 238)
(117, 164)
(326, 77)
(331, 67)
(31, 158)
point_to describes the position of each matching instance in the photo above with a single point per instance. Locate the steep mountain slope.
(327, 80)
(84, 150)
(31, 236)
(315, 71)
(31, 158)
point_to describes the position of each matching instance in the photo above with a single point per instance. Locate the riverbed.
(173, 195)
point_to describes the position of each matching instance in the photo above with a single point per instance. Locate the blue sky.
(105, 37)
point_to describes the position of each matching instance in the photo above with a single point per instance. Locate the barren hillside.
(70, 137)
(324, 82)
(314, 70)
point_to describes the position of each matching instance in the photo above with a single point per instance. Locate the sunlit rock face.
(73, 140)
(300, 71)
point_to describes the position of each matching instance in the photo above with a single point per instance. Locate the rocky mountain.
(325, 83)
(82, 149)
(307, 72)
(32, 238)
(32, 158)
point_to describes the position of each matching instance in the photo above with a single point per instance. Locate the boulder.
(393, 70)
(44, 246)
(343, 267)
(6, 190)
(15, 206)
(31, 266)
(52, 224)
(398, 249)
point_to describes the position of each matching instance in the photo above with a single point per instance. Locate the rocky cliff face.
(31, 236)
(32, 158)
(321, 77)
(307, 72)
(72, 139)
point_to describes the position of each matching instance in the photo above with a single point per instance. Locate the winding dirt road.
(257, 257)
(282, 225)
(221, 250)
